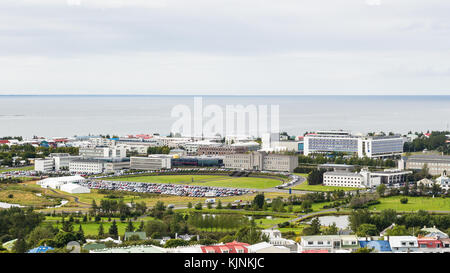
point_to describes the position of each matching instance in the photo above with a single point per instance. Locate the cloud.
(223, 45)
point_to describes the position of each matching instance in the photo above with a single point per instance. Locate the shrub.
(404, 200)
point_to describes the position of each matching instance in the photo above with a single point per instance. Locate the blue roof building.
(377, 245)
(40, 249)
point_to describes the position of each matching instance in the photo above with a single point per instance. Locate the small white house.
(265, 247)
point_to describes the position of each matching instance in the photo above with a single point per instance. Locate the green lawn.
(28, 168)
(207, 180)
(414, 204)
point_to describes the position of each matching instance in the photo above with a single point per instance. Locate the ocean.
(69, 115)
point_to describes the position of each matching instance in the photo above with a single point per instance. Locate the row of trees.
(435, 141)
(217, 222)
(363, 223)
(118, 208)
(338, 158)
(7, 153)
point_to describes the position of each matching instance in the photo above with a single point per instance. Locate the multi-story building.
(44, 165)
(364, 178)
(330, 141)
(87, 166)
(345, 142)
(151, 163)
(99, 152)
(261, 161)
(62, 160)
(344, 179)
(380, 146)
(113, 166)
(436, 164)
(220, 149)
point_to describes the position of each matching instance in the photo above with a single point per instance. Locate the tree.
(130, 227)
(141, 226)
(189, 205)
(20, 246)
(101, 231)
(306, 205)
(358, 217)
(40, 233)
(219, 205)
(367, 230)
(398, 230)
(176, 242)
(332, 230)
(315, 225)
(198, 206)
(113, 231)
(258, 200)
(404, 200)
(381, 189)
(80, 234)
(363, 250)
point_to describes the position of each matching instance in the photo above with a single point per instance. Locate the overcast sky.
(268, 47)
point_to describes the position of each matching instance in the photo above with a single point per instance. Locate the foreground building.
(403, 244)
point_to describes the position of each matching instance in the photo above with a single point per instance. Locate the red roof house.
(233, 247)
(4, 141)
(429, 242)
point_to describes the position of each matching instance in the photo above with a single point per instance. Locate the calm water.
(341, 221)
(82, 115)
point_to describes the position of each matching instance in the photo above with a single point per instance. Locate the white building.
(364, 179)
(344, 179)
(57, 182)
(87, 166)
(99, 152)
(152, 162)
(276, 239)
(345, 142)
(74, 188)
(44, 165)
(62, 160)
(403, 244)
(443, 181)
(265, 247)
(261, 161)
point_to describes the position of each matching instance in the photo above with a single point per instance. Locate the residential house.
(233, 247)
(378, 246)
(265, 247)
(403, 244)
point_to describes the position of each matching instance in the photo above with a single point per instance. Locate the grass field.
(414, 204)
(25, 198)
(208, 180)
(28, 168)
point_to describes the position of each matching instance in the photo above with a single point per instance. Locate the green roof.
(142, 235)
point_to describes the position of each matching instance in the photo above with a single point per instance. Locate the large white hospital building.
(345, 142)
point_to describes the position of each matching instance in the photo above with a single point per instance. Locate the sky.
(215, 47)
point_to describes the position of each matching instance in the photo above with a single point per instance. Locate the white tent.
(57, 182)
(74, 188)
